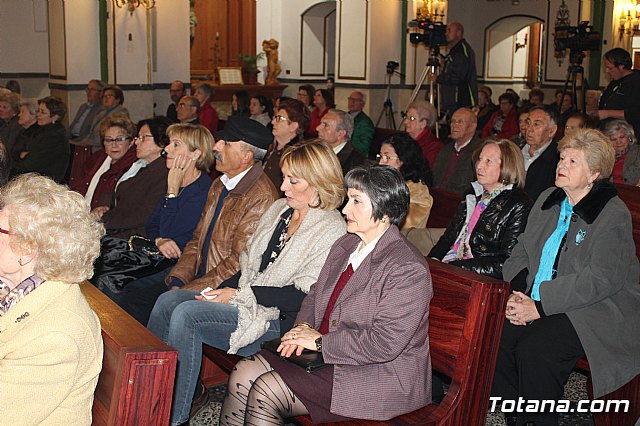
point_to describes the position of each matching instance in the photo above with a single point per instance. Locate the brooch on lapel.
(580, 236)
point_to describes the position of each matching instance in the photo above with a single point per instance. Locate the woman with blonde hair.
(486, 225)
(281, 262)
(51, 351)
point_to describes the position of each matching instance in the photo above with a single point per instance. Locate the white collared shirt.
(529, 159)
(461, 146)
(106, 164)
(338, 148)
(230, 184)
(357, 257)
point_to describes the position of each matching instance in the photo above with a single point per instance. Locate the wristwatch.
(170, 195)
(319, 344)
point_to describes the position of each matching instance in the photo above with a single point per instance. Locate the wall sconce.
(629, 18)
(133, 4)
(522, 45)
(434, 10)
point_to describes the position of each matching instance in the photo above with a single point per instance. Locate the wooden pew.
(465, 324)
(136, 382)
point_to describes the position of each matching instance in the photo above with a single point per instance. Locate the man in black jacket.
(458, 79)
(541, 151)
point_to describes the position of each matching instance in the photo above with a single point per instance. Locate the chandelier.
(133, 4)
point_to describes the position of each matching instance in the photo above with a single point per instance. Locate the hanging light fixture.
(132, 5)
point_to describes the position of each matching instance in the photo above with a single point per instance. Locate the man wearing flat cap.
(236, 201)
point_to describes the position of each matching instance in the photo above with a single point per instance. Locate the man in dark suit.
(453, 170)
(176, 91)
(335, 130)
(81, 123)
(541, 151)
(188, 110)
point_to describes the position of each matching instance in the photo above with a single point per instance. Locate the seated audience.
(291, 118)
(207, 114)
(5, 167)
(305, 95)
(47, 152)
(486, 226)
(236, 202)
(141, 187)
(504, 122)
(104, 170)
(323, 101)
(578, 120)
(626, 168)
(51, 352)
(261, 109)
(575, 276)
(359, 317)
(176, 92)
(421, 116)
(335, 130)
(541, 151)
(485, 108)
(281, 262)
(13, 86)
(189, 152)
(363, 128)
(454, 170)
(240, 104)
(536, 97)
(564, 112)
(85, 148)
(9, 126)
(188, 110)
(403, 153)
(28, 119)
(81, 124)
(523, 123)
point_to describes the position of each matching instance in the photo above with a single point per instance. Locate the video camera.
(392, 66)
(578, 39)
(433, 33)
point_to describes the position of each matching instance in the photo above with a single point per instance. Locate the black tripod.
(430, 68)
(387, 109)
(575, 68)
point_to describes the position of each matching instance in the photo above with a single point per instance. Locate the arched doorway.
(318, 40)
(513, 47)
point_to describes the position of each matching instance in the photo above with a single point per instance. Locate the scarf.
(551, 249)
(8, 297)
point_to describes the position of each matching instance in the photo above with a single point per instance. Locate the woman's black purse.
(309, 360)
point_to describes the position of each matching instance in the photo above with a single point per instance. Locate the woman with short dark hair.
(361, 314)
(575, 277)
(261, 109)
(47, 152)
(403, 153)
(323, 101)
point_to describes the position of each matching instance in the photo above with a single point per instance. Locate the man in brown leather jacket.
(246, 194)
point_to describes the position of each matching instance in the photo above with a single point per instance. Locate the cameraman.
(621, 98)
(458, 80)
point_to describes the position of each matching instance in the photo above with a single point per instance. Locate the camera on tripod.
(433, 33)
(392, 66)
(577, 39)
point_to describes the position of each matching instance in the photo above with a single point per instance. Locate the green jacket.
(362, 133)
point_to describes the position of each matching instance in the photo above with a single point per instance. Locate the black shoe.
(511, 420)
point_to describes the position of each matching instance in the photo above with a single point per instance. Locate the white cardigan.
(299, 264)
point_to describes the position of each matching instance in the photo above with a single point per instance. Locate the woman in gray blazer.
(575, 276)
(368, 315)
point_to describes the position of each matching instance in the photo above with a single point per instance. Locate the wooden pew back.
(135, 386)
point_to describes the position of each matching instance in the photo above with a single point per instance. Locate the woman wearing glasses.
(126, 213)
(104, 169)
(421, 116)
(47, 150)
(403, 153)
(289, 122)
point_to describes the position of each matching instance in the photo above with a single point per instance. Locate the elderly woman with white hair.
(421, 116)
(626, 169)
(51, 345)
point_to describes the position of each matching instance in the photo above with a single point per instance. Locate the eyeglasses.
(412, 118)
(119, 139)
(386, 157)
(91, 89)
(142, 138)
(183, 105)
(281, 118)
(108, 95)
(456, 121)
(354, 99)
(4, 231)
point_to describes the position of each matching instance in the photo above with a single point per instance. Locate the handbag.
(143, 245)
(309, 360)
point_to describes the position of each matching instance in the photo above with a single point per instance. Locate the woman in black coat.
(486, 226)
(47, 152)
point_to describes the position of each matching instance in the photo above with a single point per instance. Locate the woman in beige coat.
(50, 341)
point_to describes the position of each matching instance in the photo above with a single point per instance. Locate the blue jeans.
(185, 323)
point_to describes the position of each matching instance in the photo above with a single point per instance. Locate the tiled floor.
(574, 391)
